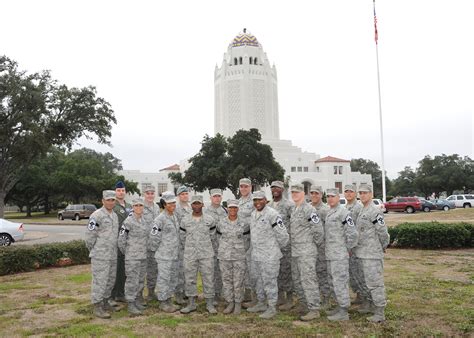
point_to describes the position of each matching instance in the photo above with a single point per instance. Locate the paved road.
(45, 233)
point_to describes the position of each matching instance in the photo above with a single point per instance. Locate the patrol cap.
(169, 198)
(332, 192)
(182, 189)
(196, 199)
(245, 181)
(297, 187)
(232, 203)
(258, 195)
(137, 201)
(350, 187)
(149, 188)
(278, 184)
(216, 191)
(108, 194)
(316, 188)
(365, 187)
(119, 185)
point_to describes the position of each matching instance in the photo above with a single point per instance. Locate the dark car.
(443, 204)
(408, 204)
(77, 211)
(426, 205)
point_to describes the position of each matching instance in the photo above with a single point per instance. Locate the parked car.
(426, 205)
(379, 204)
(462, 201)
(443, 204)
(342, 201)
(77, 211)
(408, 204)
(10, 232)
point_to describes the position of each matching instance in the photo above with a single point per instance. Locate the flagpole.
(384, 192)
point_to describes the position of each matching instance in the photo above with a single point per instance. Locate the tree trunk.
(47, 207)
(28, 210)
(3, 194)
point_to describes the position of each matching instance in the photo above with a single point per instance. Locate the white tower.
(245, 90)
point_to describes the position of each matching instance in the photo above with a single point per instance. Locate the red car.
(408, 204)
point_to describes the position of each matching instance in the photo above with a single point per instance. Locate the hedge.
(22, 258)
(432, 235)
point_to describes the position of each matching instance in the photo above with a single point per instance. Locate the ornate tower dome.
(245, 39)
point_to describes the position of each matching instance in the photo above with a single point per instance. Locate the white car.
(10, 232)
(379, 204)
(462, 201)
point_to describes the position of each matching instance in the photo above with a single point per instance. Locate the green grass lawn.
(430, 293)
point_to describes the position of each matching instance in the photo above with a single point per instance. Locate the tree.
(222, 162)
(37, 113)
(404, 184)
(248, 157)
(372, 168)
(445, 173)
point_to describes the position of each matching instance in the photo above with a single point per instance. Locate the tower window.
(250, 60)
(255, 61)
(240, 60)
(235, 61)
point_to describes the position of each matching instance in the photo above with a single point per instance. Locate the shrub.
(432, 235)
(28, 258)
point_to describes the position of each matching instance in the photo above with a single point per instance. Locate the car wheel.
(77, 217)
(426, 209)
(5, 240)
(410, 210)
(466, 205)
(60, 216)
(446, 208)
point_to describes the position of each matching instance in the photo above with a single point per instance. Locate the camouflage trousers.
(135, 271)
(103, 279)
(119, 287)
(151, 272)
(233, 274)
(180, 277)
(191, 269)
(323, 277)
(372, 284)
(355, 274)
(285, 281)
(305, 280)
(267, 280)
(167, 278)
(217, 277)
(339, 278)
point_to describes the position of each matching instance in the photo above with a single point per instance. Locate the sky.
(154, 62)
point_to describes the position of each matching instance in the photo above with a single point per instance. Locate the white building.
(246, 96)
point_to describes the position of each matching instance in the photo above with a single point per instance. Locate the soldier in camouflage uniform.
(284, 207)
(216, 210)
(322, 209)
(132, 242)
(197, 231)
(355, 270)
(151, 211)
(267, 235)
(231, 255)
(101, 240)
(373, 240)
(306, 233)
(122, 208)
(341, 236)
(245, 209)
(183, 208)
(164, 241)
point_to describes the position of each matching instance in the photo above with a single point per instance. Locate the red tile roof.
(171, 167)
(331, 159)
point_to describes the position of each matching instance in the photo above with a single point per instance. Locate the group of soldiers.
(252, 254)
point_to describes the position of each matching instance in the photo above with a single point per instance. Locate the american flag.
(375, 26)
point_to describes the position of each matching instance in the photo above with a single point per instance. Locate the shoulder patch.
(154, 230)
(350, 221)
(315, 218)
(279, 222)
(380, 219)
(122, 231)
(92, 224)
(130, 213)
